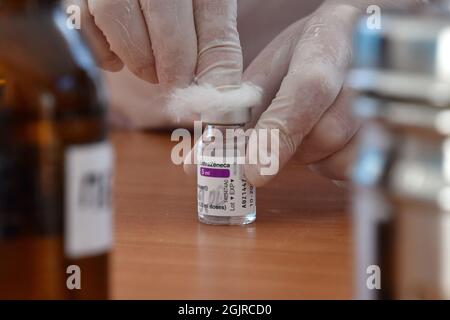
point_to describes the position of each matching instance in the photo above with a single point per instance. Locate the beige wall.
(262, 20)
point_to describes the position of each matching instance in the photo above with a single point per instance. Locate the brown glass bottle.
(55, 160)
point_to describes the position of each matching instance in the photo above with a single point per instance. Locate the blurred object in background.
(2, 81)
(55, 160)
(402, 176)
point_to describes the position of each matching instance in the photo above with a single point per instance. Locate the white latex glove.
(302, 73)
(166, 41)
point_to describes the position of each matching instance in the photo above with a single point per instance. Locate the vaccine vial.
(224, 195)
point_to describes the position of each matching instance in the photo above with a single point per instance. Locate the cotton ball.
(206, 98)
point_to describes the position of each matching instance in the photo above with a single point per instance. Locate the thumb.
(220, 61)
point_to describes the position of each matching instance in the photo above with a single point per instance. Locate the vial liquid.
(224, 195)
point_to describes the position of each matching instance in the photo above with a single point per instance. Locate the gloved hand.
(302, 73)
(166, 41)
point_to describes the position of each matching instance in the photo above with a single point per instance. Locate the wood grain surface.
(299, 248)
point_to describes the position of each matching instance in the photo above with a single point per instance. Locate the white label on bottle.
(223, 190)
(88, 216)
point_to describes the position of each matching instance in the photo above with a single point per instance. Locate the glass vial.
(224, 195)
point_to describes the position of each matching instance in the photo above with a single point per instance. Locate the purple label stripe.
(214, 173)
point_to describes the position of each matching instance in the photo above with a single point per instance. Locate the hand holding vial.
(302, 71)
(302, 74)
(166, 41)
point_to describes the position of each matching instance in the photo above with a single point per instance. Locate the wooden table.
(299, 248)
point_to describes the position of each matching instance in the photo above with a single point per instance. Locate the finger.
(172, 32)
(271, 65)
(338, 166)
(106, 59)
(219, 61)
(124, 27)
(333, 131)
